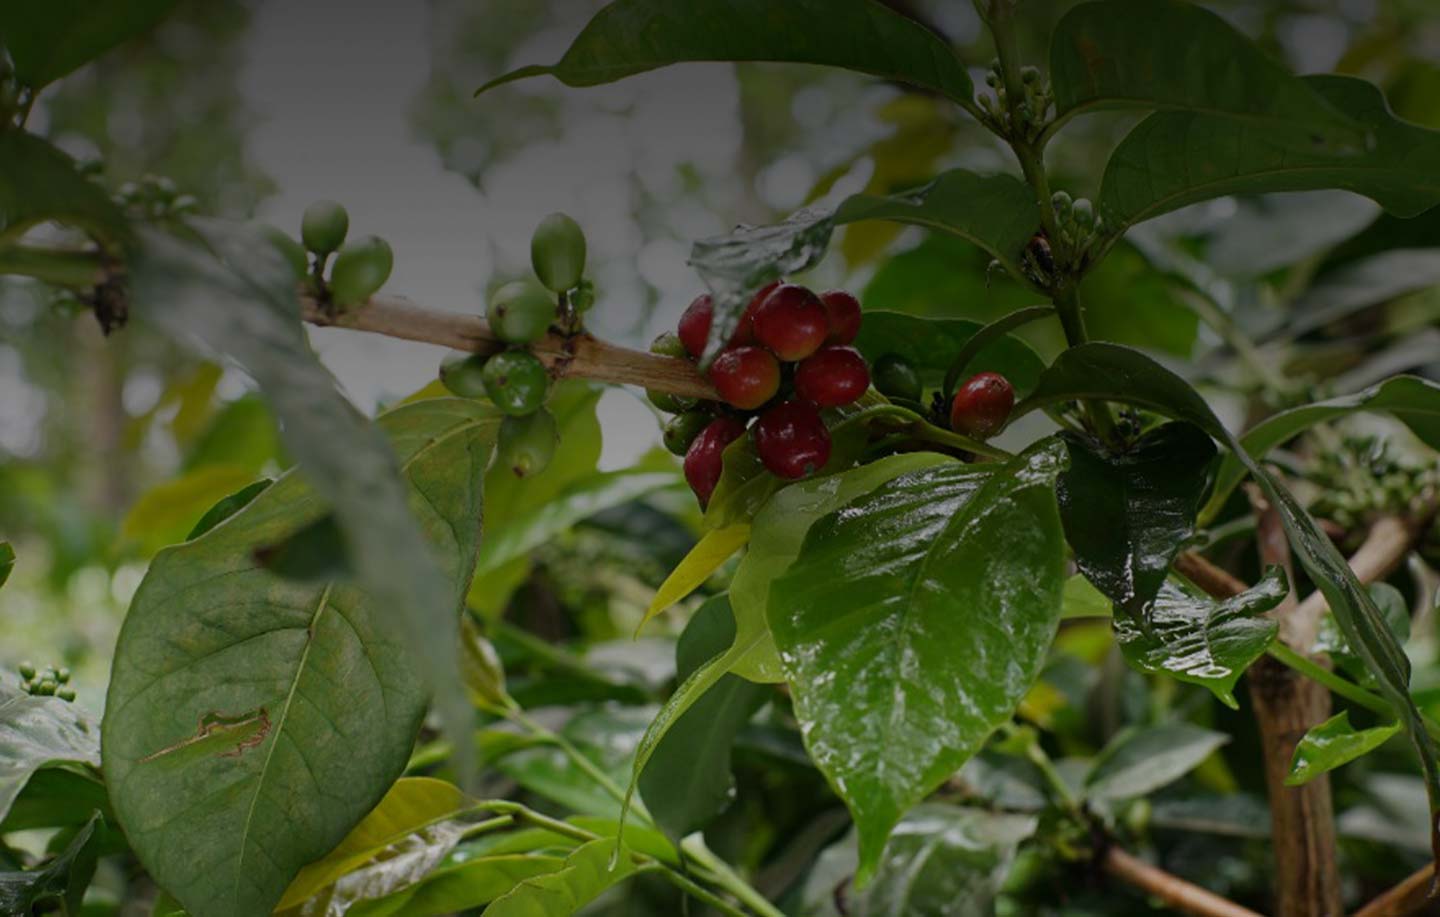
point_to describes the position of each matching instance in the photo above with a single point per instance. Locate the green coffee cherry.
(557, 252)
(62, 675)
(27, 670)
(670, 404)
(526, 444)
(1030, 75)
(323, 227)
(66, 694)
(582, 298)
(293, 252)
(682, 429)
(1083, 213)
(1062, 202)
(462, 374)
(361, 268)
(895, 377)
(46, 687)
(516, 381)
(668, 345)
(520, 312)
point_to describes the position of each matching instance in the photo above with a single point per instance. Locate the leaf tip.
(521, 73)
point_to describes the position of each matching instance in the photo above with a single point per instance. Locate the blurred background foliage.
(111, 449)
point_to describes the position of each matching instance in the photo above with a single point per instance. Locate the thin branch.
(1173, 890)
(580, 356)
(1217, 583)
(1413, 894)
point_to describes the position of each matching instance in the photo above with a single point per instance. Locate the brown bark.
(1412, 896)
(1173, 890)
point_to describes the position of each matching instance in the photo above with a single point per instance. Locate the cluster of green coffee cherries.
(47, 682)
(360, 268)
(1364, 479)
(153, 197)
(520, 313)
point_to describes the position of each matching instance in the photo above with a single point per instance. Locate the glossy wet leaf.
(232, 292)
(253, 721)
(930, 345)
(914, 620)
(1200, 640)
(460, 884)
(633, 36)
(1110, 372)
(1410, 399)
(1168, 54)
(40, 183)
(1393, 608)
(687, 781)
(49, 38)
(63, 880)
(1144, 759)
(1172, 159)
(1332, 744)
(1127, 514)
(38, 733)
(587, 873)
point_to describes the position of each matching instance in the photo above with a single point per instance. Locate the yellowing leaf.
(703, 560)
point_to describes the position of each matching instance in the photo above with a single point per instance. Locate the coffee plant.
(1043, 608)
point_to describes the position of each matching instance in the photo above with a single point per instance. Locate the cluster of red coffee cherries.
(790, 356)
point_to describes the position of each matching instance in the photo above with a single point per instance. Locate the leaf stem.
(982, 338)
(1336, 683)
(1072, 319)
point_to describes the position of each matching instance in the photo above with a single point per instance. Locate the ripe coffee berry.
(745, 377)
(843, 310)
(704, 461)
(791, 439)
(982, 405)
(832, 376)
(745, 332)
(791, 322)
(695, 325)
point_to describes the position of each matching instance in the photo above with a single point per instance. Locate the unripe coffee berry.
(516, 381)
(791, 323)
(895, 377)
(292, 251)
(557, 253)
(668, 344)
(682, 429)
(745, 377)
(982, 405)
(323, 227)
(791, 439)
(520, 312)
(843, 312)
(463, 374)
(525, 445)
(832, 376)
(705, 459)
(360, 270)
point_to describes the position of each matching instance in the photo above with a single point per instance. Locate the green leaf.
(1342, 292)
(688, 780)
(49, 38)
(1173, 159)
(39, 183)
(459, 885)
(587, 873)
(38, 733)
(632, 36)
(1410, 399)
(1113, 373)
(234, 292)
(1168, 54)
(313, 553)
(1126, 515)
(63, 879)
(607, 736)
(1330, 641)
(62, 796)
(227, 507)
(708, 555)
(1196, 639)
(1332, 744)
(164, 514)
(914, 621)
(253, 721)
(1083, 600)
(930, 344)
(1139, 761)
(7, 561)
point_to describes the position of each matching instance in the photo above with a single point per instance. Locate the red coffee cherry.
(744, 335)
(791, 439)
(832, 376)
(695, 325)
(745, 377)
(704, 460)
(844, 312)
(982, 405)
(792, 322)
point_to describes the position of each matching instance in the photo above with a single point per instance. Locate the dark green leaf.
(1140, 761)
(314, 553)
(913, 621)
(63, 796)
(1330, 641)
(1410, 399)
(50, 38)
(633, 36)
(40, 732)
(292, 698)
(586, 874)
(7, 561)
(1200, 640)
(1126, 515)
(227, 508)
(1169, 54)
(234, 292)
(687, 781)
(39, 183)
(1172, 159)
(930, 344)
(64, 879)
(1332, 744)
(1113, 373)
